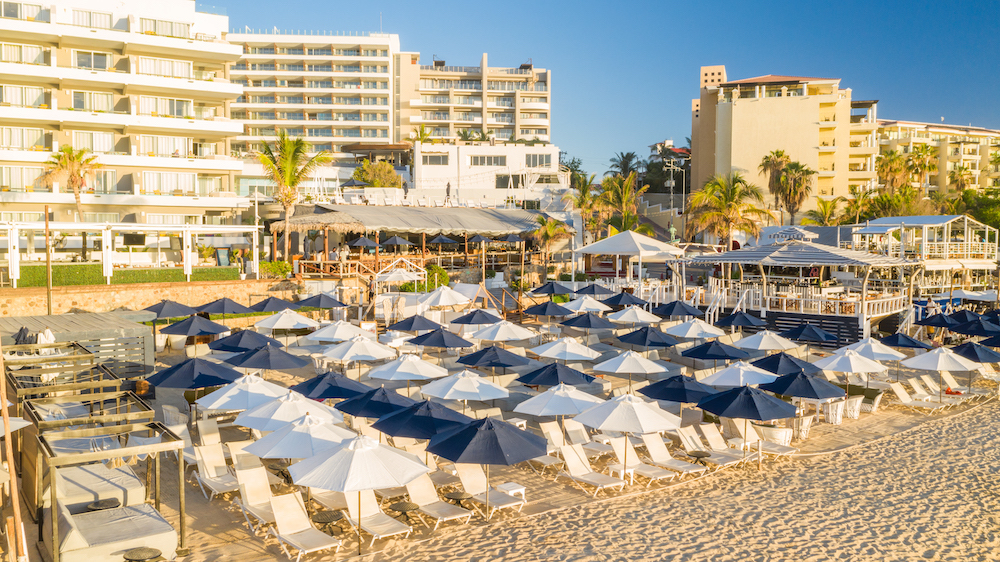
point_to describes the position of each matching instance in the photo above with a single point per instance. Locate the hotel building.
(973, 148)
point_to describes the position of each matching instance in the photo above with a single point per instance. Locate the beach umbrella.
(739, 374)
(765, 340)
(588, 321)
(594, 290)
(225, 306)
(269, 358)
(397, 241)
(560, 400)
(194, 326)
(422, 420)
(321, 300)
(809, 333)
(586, 304)
(785, 364)
(273, 304)
(940, 359)
(243, 340)
(300, 439)
(993, 316)
(504, 331)
(628, 414)
(477, 317)
(330, 386)
(194, 373)
(552, 288)
(715, 351)
(354, 183)
(444, 296)
(439, 338)
(375, 403)
(547, 308)
(441, 239)
(339, 331)
(397, 275)
(553, 374)
(676, 309)
(170, 309)
(465, 385)
(633, 315)
(488, 442)
(286, 320)
(875, 350)
(747, 403)
(992, 341)
(964, 316)
(647, 337)
(511, 238)
(977, 327)
(493, 357)
(740, 319)
(849, 361)
(242, 394)
(407, 367)
(976, 352)
(630, 363)
(623, 299)
(415, 323)
(937, 321)
(362, 242)
(694, 328)
(677, 388)
(900, 339)
(359, 348)
(799, 385)
(565, 349)
(283, 410)
(479, 238)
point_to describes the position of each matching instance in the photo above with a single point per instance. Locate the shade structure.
(875, 350)
(797, 253)
(479, 238)
(747, 403)
(976, 352)
(632, 314)
(286, 319)
(407, 367)
(678, 388)
(765, 340)
(739, 374)
(993, 341)
(354, 183)
(940, 359)
(630, 414)
(243, 340)
(849, 361)
(511, 238)
(321, 300)
(964, 316)
(565, 349)
(225, 306)
(15, 424)
(422, 420)
(487, 441)
(630, 363)
(269, 357)
(397, 275)
(694, 328)
(547, 308)
(810, 333)
(785, 364)
(397, 241)
(374, 404)
(414, 323)
(977, 327)
(493, 356)
(170, 309)
(741, 319)
(594, 290)
(339, 331)
(300, 439)
(357, 465)
(194, 326)
(444, 296)
(586, 304)
(194, 373)
(588, 321)
(902, 340)
(283, 410)
(552, 288)
(937, 321)
(477, 317)
(362, 242)
(803, 386)
(273, 304)
(465, 385)
(504, 331)
(993, 316)
(554, 374)
(677, 309)
(331, 386)
(630, 243)
(648, 336)
(359, 348)
(715, 351)
(439, 338)
(560, 400)
(623, 299)
(442, 239)
(242, 394)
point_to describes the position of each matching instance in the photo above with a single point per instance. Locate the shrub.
(560, 298)
(551, 269)
(93, 274)
(565, 277)
(580, 276)
(491, 274)
(436, 277)
(275, 269)
(62, 275)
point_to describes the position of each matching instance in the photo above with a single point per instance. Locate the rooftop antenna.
(380, 22)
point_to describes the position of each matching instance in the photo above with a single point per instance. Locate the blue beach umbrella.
(194, 373)
(648, 336)
(678, 388)
(594, 290)
(977, 352)
(493, 356)
(269, 357)
(715, 351)
(589, 321)
(803, 386)
(362, 242)
(225, 306)
(397, 241)
(553, 374)
(552, 288)
(414, 323)
(476, 317)
(479, 238)
(676, 309)
(547, 308)
(170, 309)
(194, 326)
(785, 364)
(937, 321)
(748, 403)
(243, 340)
(808, 332)
(422, 420)
(321, 300)
(977, 327)
(439, 338)
(963, 316)
(375, 403)
(623, 299)
(273, 304)
(902, 340)
(741, 319)
(331, 386)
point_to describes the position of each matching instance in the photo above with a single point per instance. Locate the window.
(21, 138)
(167, 183)
(106, 181)
(534, 132)
(375, 101)
(434, 115)
(172, 219)
(165, 67)
(21, 178)
(19, 11)
(502, 117)
(435, 159)
(538, 160)
(25, 54)
(149, 105)
(92, 19)
(24, 96)
(534, 116)
(504, 134)
(100, 217)
(162, 27)
(92, 59)
(99, 142)
(489, 160)
(92, 101)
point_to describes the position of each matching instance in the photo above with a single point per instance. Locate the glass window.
(435, 159)
(99, 142)
(538, 160)
(93, 60)
(92, 101)
(18, 138)
(489, 160)
(92, 19)
(106, 181)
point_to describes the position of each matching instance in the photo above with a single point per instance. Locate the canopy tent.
(631, 243)
(797, 253)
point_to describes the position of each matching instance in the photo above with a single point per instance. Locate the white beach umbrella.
(466, 385)
(587, 304)
(300, 439)
(242, 394)
(444, 296)
(285, 409)
(408, 367)
(875, 350)
(339, 331)
(628, 414)
(941, 359)
(765, 340)
(286, 319)
(504, 331)
(849, 361)
(397, 276)
(694, 328)
(559, 400)
(739, 374)
(359, 348)
(565, 349)
(630, 363)
(634, 315)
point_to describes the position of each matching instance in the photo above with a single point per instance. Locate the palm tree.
(582, 197)
(466, 135)
(825, 213)
(891, 169)
(288, 165)
(623, 164)
(772, 166)
(946, 205)
(631, 221)
(728, 203)
(858, 204)
(796, 185)
(76, 165)
(420, 134)
(549, 230)
(620, 196)
(922, 163)
(961, 178)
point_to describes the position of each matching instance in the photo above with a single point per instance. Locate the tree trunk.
(79, 217)
(288, 231)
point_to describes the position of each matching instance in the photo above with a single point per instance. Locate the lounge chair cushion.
(77, 486)
(104, 535)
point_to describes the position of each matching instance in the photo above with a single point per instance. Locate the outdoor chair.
(370, 518)
(578, 470)
(474, 482)
(578, 435)
(658, 455)
(852, 406)
(423, 493)
(690, 442)
(753, 440)
(255, 497)
(293, 528)
(833, 412)
(920, 393)
(173, 416)
(628, 460)
(949, 380)
(212, 471)
(905, 400)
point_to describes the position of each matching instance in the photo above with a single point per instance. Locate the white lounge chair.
(923, 394)
(658, 455)
(949, 380)
(293, 528)
(628, 460)
(185, 435)
(690, 442)
(173, 416)
(370, 518)
(474, 482)
(423, 493)
(578, 435)
(905, 399)
(255, 497)
(578, 470)
(752, 440)
(212, 471)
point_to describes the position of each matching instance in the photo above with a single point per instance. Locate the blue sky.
(624, 73)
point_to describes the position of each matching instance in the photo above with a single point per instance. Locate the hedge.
(92, 274)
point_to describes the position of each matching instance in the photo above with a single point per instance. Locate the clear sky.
(624, 73)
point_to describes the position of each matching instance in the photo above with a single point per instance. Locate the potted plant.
(237, 257)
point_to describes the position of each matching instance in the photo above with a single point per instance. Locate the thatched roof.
(325, 220)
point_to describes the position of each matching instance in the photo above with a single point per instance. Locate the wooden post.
(326, 244)
(520, 283)
(182, 524)
(466, 249)
(18, 544)
(48, 266)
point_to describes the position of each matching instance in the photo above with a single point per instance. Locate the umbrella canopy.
(331, 386)
(359, 464)
(408, 367)
(715, 351)
(283, 410)
(422, 420)
(242, 394)
(487, 441)
(287, 319)
(849, 361)
(339, 331)
(273, 304)
(940, 359)
(586, 304)
(903, 340)
(803, 386)
(15, 424)
(269, 357)
(648, 337)
(321, 300)
(511, 238)
(747, 403)
(785, 364)
(875, 350)
(194, 373)
(630, 243)
(937, 321)
(552, 288)
(444, 296)
(630, 414)
(560, 400)
(398, 275)
(414, 323)
(694, 328)
(194, 326)
(493, 356)
(170, 309)
(588, 321)
(993, 316)
(243, 340)
(739, 374)
(977, 327)
(479, 238)
(547, 308)
(630, 363)
(678, 388)
(553, 374)
(976, 352)
(397, 241)
(439, 338)
(466, 385)
(765, 340)
(225, 306)
(353, 183)
(566, 349)
(594, 290)
(300, 439)
(633, 315)
(374, 404)
(441, 239)
(359, 348)
(504, 331)
(808, 332)
(677, 309)
(362, 242)
(477, 317)
(964, 316)
(623, 299)
(741, 319)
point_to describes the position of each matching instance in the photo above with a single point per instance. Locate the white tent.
(631, 243)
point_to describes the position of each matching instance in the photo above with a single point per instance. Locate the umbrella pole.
(487, 492)
(746, 443)
(359, 523)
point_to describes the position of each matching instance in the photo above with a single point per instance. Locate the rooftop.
(777, 79)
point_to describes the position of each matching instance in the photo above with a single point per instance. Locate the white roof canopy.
(629, 243)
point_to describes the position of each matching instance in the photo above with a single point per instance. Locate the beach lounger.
(212, 471)
(423, 493)
(255, 497)
(370, 518)
(188, 451)
(243, 460)
(935, 392)
(920, 393)
(690, 442)
(752, 440)
(329, 500)
(293, 528)
(474, 482)
(905, 399)
(628, 460)
(658, 455)
(578, 435)
(578, 470)
(949, 380)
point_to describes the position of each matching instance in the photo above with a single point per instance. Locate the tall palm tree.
(76, 165)
(726, 204)
(772, 166)
(630, 221)
(582, 197)
(288, 165)
(859, 201)
(922, 162)
(549, 230)
(624, 163)
(796, 185)
(466, 135)
(420, 134)
(961, 178)
(620, 196)
(826, 212)
(891, 169)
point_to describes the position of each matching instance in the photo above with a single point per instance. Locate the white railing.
(808, 299)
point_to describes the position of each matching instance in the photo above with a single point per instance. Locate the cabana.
(632, 244)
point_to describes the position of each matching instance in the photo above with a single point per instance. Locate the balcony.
(217, 199)
(529, 122)
(215, 163)
(532, 105)
(125, 122)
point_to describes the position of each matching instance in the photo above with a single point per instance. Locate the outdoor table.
(816, 403)
(280, 470)
(458, 497)
(142, 554)
(326, 519)
(404, 508)
(512, 489)
(699, 456)
(622, 473)
(520, 423)
(101, 505)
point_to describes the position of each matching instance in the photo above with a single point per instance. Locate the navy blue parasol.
(623, 299)
(648, 336)
(741, 319)
(678, 388)
(442, 239)
(414, 323)
(487, 441)
(422, 420)
(225, 306)
(589, 321)
(785, 364)
(553, 374)
(269, 357)
(170, 309)
(321, 300)
(748, 403)
(676, 309)
(194, 373)
(243, 340)
(977, 327)
(803, 386)
(375, 403)
(493, 356)
(547, 308)
(594, 290)
(552, 288)
(808, 332)
(977, 352)
(439, 338)
(362, 242)
(715, 351)
(963, 316)
(274, 304)
(194, 326)
(477, 316)
(900, 339)
(937, 321)
(331, 386)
